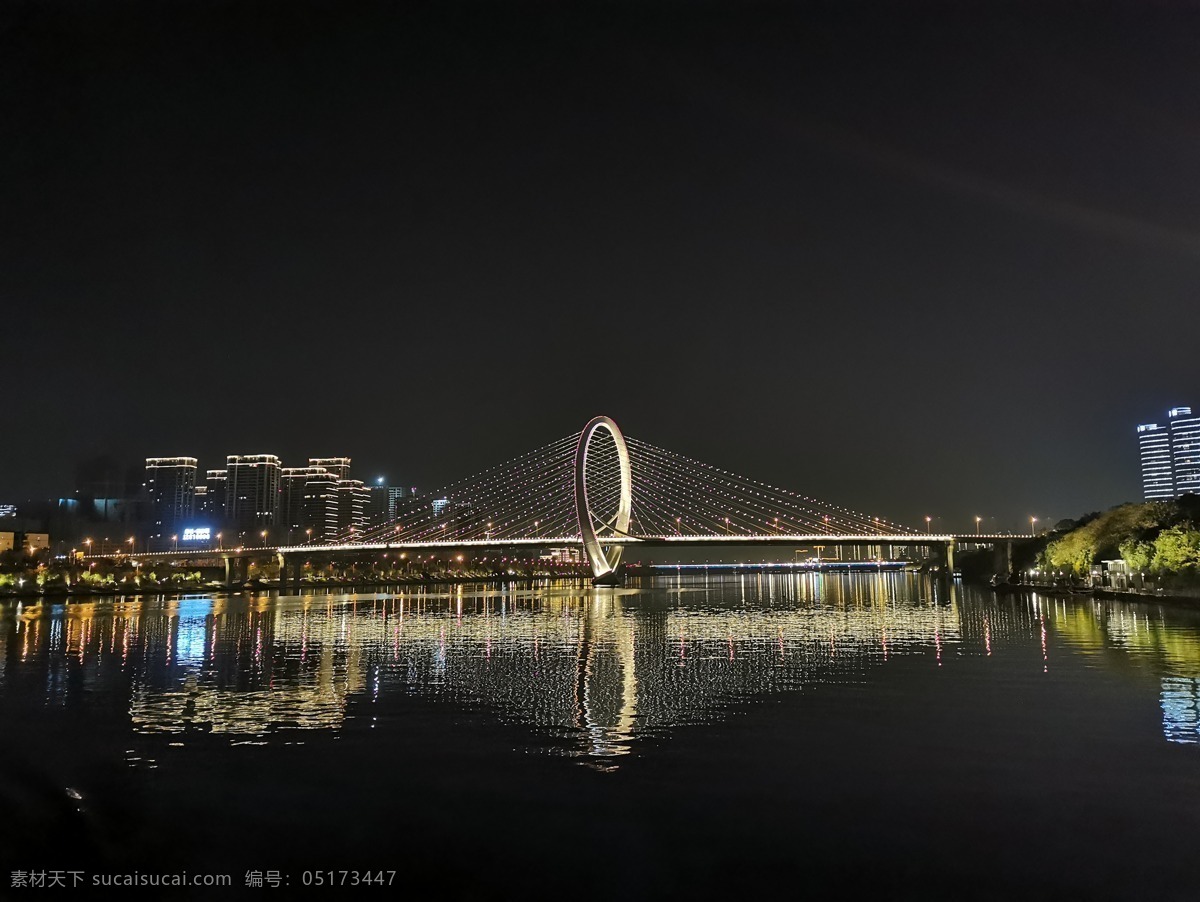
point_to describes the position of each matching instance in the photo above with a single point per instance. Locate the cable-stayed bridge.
(603, 491)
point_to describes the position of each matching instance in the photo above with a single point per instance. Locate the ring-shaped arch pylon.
(604, 561)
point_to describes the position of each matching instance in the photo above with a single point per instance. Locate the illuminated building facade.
(216, 485)
(171, 490)
(1185, 450)
(1170, 455)
(321, 506)
(338, 466)
(292, 481)
(1154, 448)
(308, 505)
(252, 499)
(353, 499)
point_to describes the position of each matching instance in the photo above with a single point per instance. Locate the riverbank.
(1182, 597)
(254, 586)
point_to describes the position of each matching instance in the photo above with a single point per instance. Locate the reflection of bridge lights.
(527, 653)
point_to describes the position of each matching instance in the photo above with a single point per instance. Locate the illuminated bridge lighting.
(642, 495)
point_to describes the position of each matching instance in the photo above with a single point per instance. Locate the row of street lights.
(978, 520)
(132, 540)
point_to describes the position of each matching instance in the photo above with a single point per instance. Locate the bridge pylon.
(605, 560)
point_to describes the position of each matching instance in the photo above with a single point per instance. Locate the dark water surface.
(789, 734)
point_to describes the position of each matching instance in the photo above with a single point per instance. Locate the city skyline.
(1158, 456)
(256, 493)
(884, 252)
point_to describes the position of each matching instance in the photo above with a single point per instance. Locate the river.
(683, 736)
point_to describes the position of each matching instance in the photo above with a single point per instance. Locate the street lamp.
(308, 532)
(88, 543)
(175, 543)
(977, 521)
(1033, 525)
(132, 544)
(219, 546)
(928, 520)
(264, 536)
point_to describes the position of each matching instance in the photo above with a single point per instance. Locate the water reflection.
(1181, 709)
(595, 670)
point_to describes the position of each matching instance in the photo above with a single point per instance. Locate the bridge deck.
(907, 539)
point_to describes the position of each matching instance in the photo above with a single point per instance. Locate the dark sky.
(915, 259)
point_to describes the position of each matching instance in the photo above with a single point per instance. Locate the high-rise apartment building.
(321, 506)
(1185, 450)
(1154, 447)
(217, 483)
(385, 503)
(291, 497)
(252, 493)
(308, 504)
(171, 490)
(353, 499)
(1170, 455)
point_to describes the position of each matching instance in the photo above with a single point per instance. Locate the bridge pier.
(235, 570)
(611, 578)
(943, 555)
(290, 570)
(1002, 558)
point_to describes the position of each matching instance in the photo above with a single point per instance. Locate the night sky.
(914, 259)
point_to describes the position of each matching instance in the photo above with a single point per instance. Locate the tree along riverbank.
(1138, 551)
(1159, 540)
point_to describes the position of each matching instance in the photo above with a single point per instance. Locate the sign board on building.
(6, 540)
(197, 534)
